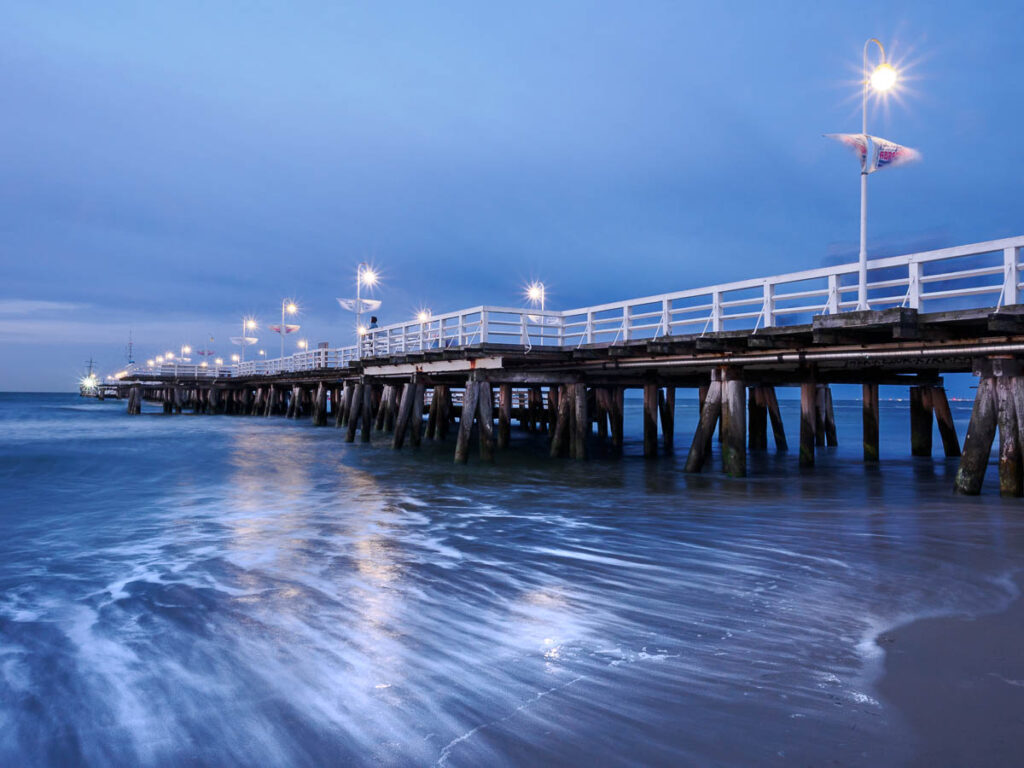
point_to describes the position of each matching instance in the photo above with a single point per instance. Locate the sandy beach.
(959, 683)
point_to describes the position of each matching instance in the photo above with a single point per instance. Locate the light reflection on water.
(224, 591)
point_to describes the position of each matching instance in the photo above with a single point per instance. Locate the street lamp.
(365, 275)
(302, 344)
(881, 80)
(234, 358)
(248, 324)
(536, 293)
(288, 307)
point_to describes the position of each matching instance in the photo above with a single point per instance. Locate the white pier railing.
(975, 276)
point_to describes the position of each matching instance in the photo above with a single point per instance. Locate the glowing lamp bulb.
(168, 355)
(202, 364)
(423, 316)
(219, 361)
(369, 277)
(303, 344)
(234, 358)
(291, 309)
(362, 330)
(149, 363)
(250, 324)
(186, 349)
(883, 78)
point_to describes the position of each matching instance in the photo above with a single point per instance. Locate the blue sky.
(169, 167)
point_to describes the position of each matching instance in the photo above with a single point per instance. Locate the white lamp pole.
(881, 79)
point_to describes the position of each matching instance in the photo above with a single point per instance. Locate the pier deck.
(565, 373)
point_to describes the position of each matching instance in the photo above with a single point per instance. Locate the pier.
(471, 374)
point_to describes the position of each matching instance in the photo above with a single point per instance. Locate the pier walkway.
(564, 373)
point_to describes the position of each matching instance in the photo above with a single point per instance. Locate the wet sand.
(959, 683)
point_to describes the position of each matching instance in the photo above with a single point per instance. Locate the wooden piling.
(920, 422)
(869, 395)
(504, 415)
(485, 418)
(435, 404)
(1011, 478)
(378, 421)
(355, 408)
(808, 416)
(944, 420)
(734, 427)
(367, 415)
(757, 413)
(650, 421)
(831, 437)
(618, 417)
(581, 426)
(710, 412)
(404, 415)
(416, 418)
(819, 415)
(771, 403)
(320, 406)
(978, 443)
(667, 409)
(469, 401)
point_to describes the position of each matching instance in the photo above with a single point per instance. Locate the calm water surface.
(218, 591)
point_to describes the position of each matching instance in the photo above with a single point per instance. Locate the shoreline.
(958, 683)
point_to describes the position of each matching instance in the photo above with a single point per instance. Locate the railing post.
(524, 334)
(914, 288)
(833, 294)
(483, 326)
(666, 317)
(462, 329)
(590, 327)
(1010, 275)
(627, 318)
(716, 311)
(769, 305)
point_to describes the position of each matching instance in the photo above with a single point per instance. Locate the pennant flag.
(875, 153)
(288, 328)
(243, 340)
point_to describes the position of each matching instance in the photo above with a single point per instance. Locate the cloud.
(22, 307)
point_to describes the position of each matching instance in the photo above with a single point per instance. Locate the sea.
(193, 590)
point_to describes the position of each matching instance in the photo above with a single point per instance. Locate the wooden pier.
(471, 375)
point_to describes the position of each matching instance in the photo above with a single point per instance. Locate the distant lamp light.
(362, 330)
(168, 355)
(884, 77)
(186, 349)
(234, 358)
(263, 353)
(423, 315)
(149, 363)
(219, 361)
(203, 364)
(159, 358)
(291, 309)
(250, 324)
(302, 344)
(368, 276)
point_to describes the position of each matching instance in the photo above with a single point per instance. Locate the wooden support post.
(920, 422)
(341, 420)
(778, 428)
(1011, 479)
(710, 412)
(602, 408)
(435, 402)
(378, 421)
(445, 415)
(416, 419)
(552, 407)
(650, 421)
(320, 406)
(667, 408)
(808, 416)
(944, 419)
(391, 415)
(702, 396)
(355, 408)
(466, 422)
(757, 413)
(870, 420)
(978, 444)
(404, 415)
(734, 427)
(831, 437)
(617, 398)
(582, 422)
(367, 416)
(561, 430)
(819, 415)
(485, 418)
(504, 415)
